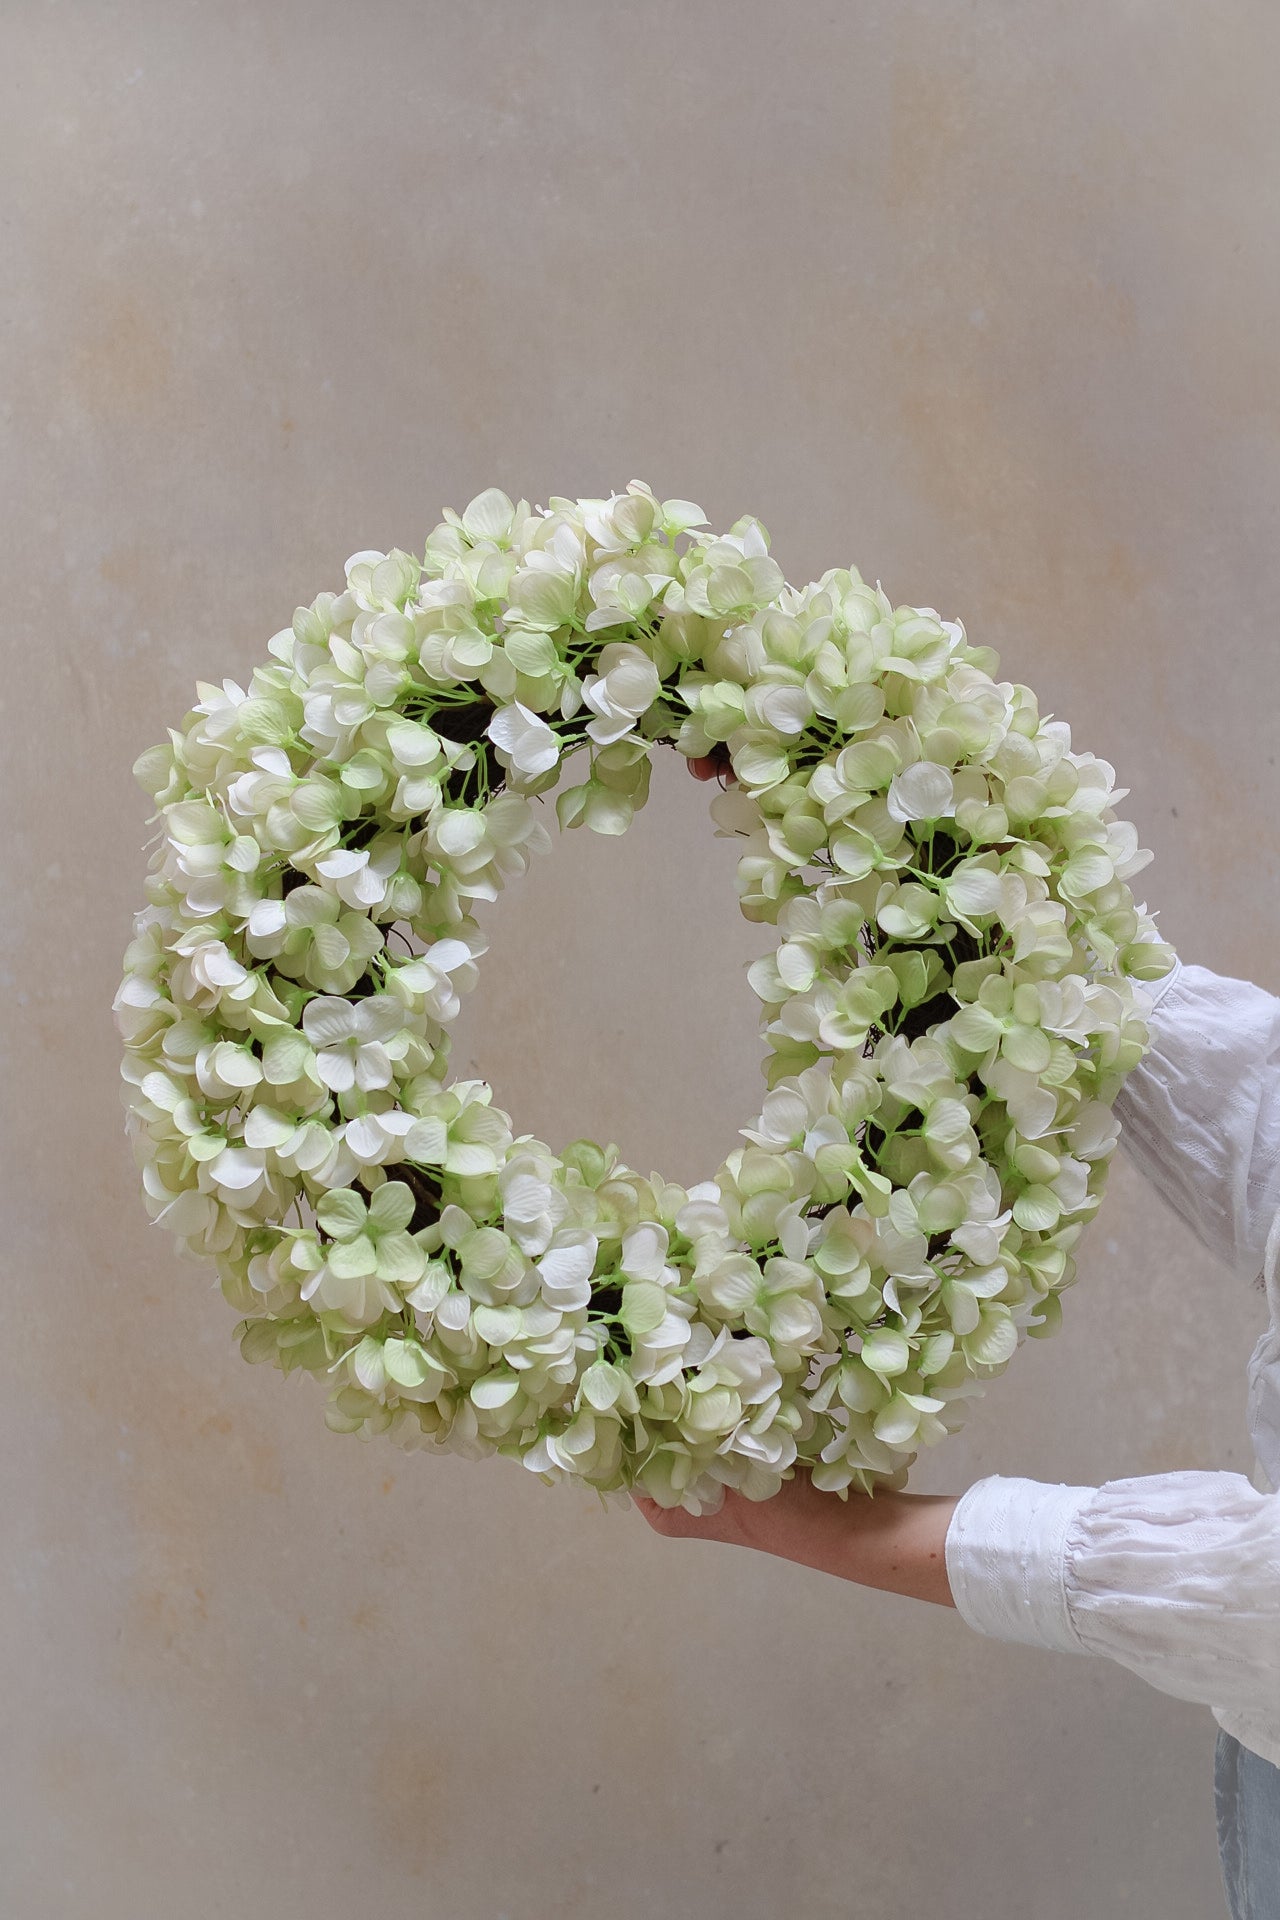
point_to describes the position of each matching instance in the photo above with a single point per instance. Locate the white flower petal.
(327, 1021)
(337, 1070)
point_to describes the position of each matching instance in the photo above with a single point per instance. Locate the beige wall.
(980, 298)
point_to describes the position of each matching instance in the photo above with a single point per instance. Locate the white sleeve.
(1174, 1575)
(1200, 1113)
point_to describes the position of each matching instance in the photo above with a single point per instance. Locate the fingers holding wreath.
(709, 766)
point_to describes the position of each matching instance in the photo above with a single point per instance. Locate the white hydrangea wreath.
(950, 1008)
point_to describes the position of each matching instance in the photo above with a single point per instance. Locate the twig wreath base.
(953, 1003)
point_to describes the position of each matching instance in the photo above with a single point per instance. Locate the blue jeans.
(1247, 1797)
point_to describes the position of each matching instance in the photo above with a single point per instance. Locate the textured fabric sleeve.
(1200, 1113)
(1175, 1576)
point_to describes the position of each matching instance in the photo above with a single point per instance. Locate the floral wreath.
(950, 1008)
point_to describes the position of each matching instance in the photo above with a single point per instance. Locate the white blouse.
(1174, 1575)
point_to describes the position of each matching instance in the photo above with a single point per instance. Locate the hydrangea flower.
(530, 746)
(310, 937)
(371, 1260)
(623, 687)
(355, 1042)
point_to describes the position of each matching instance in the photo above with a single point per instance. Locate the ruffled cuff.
(1006, 1560)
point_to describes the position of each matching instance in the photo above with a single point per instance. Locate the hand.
(712, 765)
(894, 1541)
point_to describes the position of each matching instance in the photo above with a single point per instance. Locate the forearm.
(894, 1541)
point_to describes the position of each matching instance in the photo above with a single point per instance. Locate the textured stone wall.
(981, 299)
